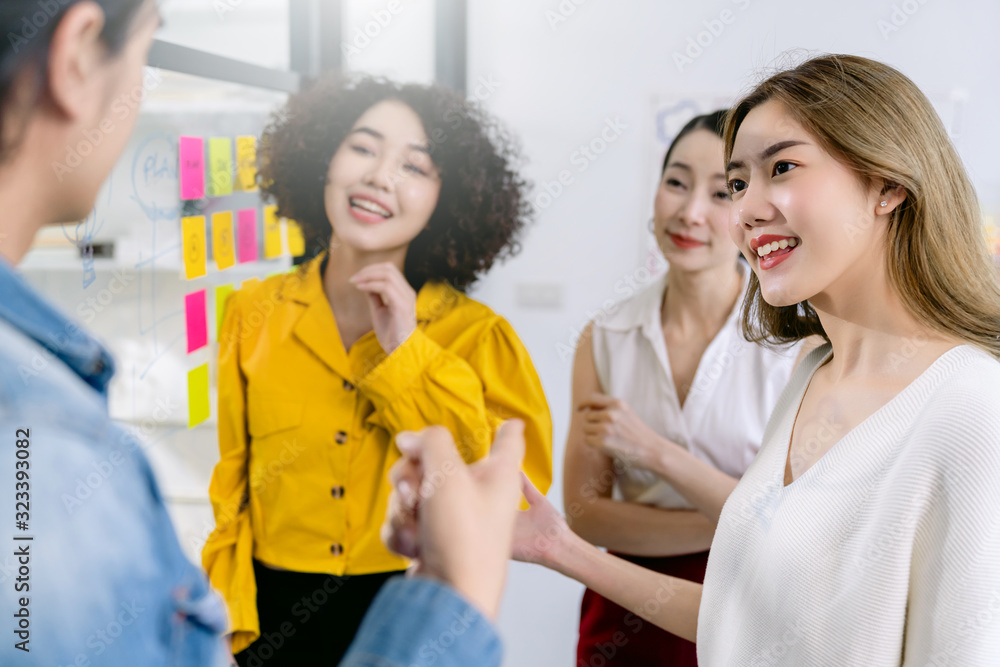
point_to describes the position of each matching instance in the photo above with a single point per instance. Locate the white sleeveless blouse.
(735, 388)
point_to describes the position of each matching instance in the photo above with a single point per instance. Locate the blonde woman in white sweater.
(867, 529)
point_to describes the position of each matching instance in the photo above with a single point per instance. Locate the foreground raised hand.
(455, 521)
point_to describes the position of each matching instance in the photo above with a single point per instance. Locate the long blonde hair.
(876, 121)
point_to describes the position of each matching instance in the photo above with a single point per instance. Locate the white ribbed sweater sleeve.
(953, 613)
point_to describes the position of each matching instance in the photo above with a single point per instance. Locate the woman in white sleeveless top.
(866, 532)
(671, 369)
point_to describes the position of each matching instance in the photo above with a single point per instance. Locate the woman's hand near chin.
(392, 301)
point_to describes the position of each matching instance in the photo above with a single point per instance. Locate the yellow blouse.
(305, 427)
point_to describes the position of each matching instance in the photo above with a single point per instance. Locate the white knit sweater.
(885, 552)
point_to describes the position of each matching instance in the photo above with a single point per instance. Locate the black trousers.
(307, 619)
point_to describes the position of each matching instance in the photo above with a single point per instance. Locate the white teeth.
(768, 248)
(370, 206)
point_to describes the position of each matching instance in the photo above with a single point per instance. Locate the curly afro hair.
(483, 205)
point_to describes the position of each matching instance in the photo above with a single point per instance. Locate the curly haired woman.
(406, 194)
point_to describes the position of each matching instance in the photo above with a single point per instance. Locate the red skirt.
(612, 635)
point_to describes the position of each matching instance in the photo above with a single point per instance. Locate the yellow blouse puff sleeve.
(512, 388)
(422, 384)
(228, 553)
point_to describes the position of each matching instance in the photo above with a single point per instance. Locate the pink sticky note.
(247, 235)
(195, 315)
(192, 167)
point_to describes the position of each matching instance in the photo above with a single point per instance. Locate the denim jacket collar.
(29, 312)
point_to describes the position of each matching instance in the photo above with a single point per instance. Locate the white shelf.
(50, 260)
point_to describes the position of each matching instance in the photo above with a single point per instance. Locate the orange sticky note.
(193, 240)
(192, 167)
(222, 293)
(246, 163)
(197, 395)
(247, 248)
(272, 232)
(222, 239)
(195, 314)
(296, 241)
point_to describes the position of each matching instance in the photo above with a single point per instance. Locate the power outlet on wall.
(540, 295)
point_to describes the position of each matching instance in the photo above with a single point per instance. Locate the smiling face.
(382, 185)
(691, 209)
(803, 220)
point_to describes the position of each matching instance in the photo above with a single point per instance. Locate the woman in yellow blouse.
(405, 194)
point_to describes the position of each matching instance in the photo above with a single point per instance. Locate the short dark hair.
(483, 204)
(714, 122)
(27, 27)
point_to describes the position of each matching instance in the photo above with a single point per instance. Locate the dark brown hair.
(714, 122)
(483, 203)
(27, 27)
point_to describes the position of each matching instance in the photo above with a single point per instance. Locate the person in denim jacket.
(92, 573)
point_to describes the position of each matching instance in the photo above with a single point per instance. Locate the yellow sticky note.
(272, 232)
(296, 241)
(193, 239)
(220, 165)
(249, 282)
(246, 163)
(197, 395)
(222, 293)
(222, 239)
